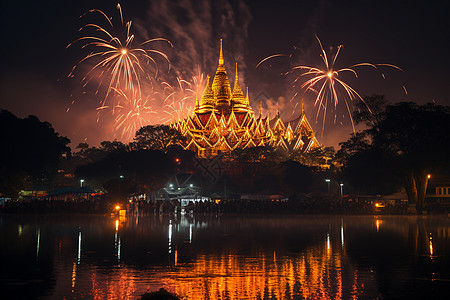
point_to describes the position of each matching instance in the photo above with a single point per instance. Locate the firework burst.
(181, 98)
(131, 112)
(118, 63)
(326, 85)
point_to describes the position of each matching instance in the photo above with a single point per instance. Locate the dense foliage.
(30, 153)
(157, 137)
(403, 144)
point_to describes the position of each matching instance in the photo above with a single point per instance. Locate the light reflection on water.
(228, 257)
(316, 273)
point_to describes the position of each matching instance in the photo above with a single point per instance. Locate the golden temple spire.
(260, 109)
(238, 98)
(237, 91)
(221, 54)
(207, 100)
(221, 85)
(208, 90)
(246, 98)
(207, 81)
(303, 108)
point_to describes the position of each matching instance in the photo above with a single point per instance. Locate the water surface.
(225, 257)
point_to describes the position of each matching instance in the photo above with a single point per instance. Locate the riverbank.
(286, 206)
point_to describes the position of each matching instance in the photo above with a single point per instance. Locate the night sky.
(410, 34)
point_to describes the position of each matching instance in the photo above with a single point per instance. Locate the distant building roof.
(73, 190)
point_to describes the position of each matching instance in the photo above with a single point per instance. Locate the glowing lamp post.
(81, 182)
(328, 181)
(426, 185)
(342, 189)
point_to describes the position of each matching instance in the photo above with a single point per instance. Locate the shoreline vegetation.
(388, 158)
(294, 205)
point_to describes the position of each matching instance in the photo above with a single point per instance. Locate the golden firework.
(116, 59)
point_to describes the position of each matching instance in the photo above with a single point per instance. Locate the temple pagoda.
(223, 120)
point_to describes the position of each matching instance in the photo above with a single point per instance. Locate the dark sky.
(410, 34)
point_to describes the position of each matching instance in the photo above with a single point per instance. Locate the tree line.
(400, 146)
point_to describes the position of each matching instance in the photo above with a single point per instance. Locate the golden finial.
(246, 98)
(303, 108)
(236, 80)
(260, 109)
(221, 54)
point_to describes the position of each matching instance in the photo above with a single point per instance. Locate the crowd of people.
(293, 205)
(36, 205)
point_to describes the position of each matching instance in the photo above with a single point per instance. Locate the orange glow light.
(378, 225)
(307, 275)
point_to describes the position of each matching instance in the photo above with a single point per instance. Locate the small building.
(72, 193)
(34, 193)
(438, 192)
(182, 187)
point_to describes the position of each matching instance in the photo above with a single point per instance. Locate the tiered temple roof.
(223, 120)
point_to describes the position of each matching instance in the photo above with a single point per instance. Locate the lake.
(225, 257)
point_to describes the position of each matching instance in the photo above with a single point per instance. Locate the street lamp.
(426, 184)
(342, 189)
(328, 182)
(81, 182)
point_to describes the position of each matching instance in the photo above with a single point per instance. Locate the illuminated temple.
(223, 120)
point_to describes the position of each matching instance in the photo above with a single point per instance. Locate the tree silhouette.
(403, 144)
(130, 171)
(156, 137)
(30, 153)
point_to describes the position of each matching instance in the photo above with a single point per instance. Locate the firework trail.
(116, 59)
(326, 85)
(180, 99)
(131, 112)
